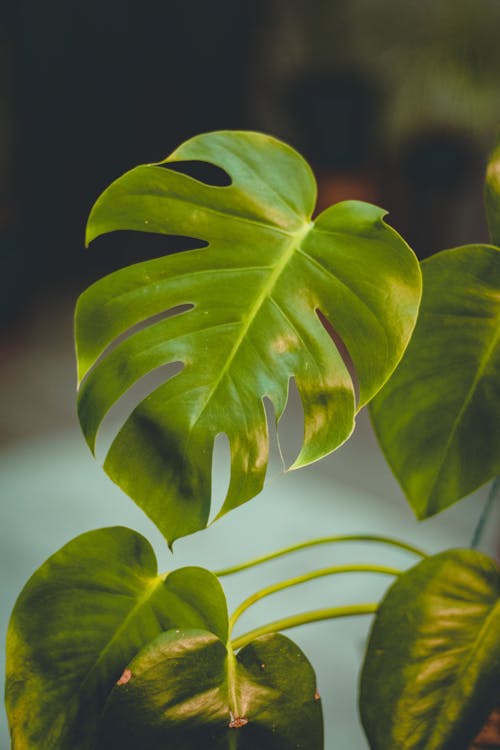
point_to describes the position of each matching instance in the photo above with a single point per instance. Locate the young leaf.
(185, 691)
(431, 674)
(260, 294)
(80, 619)
(492, 193)
(438, 418)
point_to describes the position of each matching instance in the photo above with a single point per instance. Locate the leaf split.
(255, 292)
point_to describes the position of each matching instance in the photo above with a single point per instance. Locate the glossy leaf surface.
(492, 193)
(257, 292)
(438, 418)
(184, 692)
(431, 674)
(77, 623)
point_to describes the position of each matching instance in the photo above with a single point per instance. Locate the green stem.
(332, 570)
(321, 540)
(295, 620)
(483, 518)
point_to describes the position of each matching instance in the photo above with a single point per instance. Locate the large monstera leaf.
(438, 417)
(187, 691)
(263, 294)
(431, 675)
(78, 622)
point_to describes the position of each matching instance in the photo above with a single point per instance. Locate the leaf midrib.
(295, 240)
(469, 396)
(151, 589)
(144, 599)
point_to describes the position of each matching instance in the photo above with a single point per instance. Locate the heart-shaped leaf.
(492, 193)
(431, 674)
(438, 417)
(186, 691)
(80, 619)
(263, 294)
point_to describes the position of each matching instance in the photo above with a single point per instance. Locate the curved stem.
(332, 570)
(295, 620)
(483, 518)
(320, 540)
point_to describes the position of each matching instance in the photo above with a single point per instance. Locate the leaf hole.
(142, 324)
(202, 171)
(276, 461)
(121, 410)
(126, 247)
(162, 315)
(291, 425)
(221, 473)
(342, 350)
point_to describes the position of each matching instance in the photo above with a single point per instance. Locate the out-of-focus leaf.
(258, 292)
(185, 691)
(438, 417)
(431, 674)
(492, 193)
(80, 619)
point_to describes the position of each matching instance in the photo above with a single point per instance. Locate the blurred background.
(394, 103)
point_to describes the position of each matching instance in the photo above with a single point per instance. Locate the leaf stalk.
(297, 580)
(321, 540)
(295, 621)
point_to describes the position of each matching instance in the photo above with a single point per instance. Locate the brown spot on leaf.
(127, 674)
(317, 696)
(263, 666)
(489, 736)
(236, 721)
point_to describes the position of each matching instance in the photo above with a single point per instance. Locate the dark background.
(394, 103)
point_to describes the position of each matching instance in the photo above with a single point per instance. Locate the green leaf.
(186, 691)
(80, 619)
(438, 418)
(257, 294)
(431, 674)
(492, 193)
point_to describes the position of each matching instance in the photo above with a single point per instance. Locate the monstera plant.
(103, 651)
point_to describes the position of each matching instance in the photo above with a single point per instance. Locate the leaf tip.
(90, 232)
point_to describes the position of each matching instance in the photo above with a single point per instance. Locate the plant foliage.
(186, 690)
(438, 418)
(78, 622)
(432, 668)
(104, 653)
(262, 294)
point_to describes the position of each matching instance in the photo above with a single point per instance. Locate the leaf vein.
(344, 285)
(225, 215)
(282, 199)
(265, 293)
